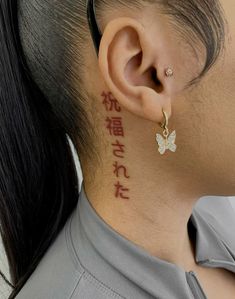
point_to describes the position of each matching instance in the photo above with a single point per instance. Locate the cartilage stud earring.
(169, 72)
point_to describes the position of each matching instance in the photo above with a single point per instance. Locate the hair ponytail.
(38, 179)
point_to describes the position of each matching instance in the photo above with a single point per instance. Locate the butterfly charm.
(166, 143)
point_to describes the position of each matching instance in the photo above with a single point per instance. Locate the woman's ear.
(133, 61)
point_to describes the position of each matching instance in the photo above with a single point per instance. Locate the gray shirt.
(90, 260)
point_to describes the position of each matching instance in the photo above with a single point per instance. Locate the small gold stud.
(169, 72)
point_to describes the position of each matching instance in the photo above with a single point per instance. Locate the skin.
(162, 189)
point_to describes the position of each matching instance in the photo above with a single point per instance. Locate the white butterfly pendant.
(166, 143)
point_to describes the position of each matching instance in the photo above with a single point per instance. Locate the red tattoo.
(119, 190)
(110, 102)
(118, 168)
(119, 149)
(115, 126)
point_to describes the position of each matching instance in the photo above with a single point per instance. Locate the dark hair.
(38, 180)
(40, 108)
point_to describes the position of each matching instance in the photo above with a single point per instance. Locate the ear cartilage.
(169, 72)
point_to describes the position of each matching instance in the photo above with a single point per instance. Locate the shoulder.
(60, 275)
(214, 217)
(57, 274)
(219, 212)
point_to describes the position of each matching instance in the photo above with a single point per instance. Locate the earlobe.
(129, 65)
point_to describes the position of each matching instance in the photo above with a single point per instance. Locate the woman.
(145, 91)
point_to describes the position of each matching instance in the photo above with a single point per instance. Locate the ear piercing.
(169, 72)
(168, 141)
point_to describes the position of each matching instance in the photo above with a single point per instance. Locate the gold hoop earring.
(168, 141)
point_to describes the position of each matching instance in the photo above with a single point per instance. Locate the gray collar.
(112, 258)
